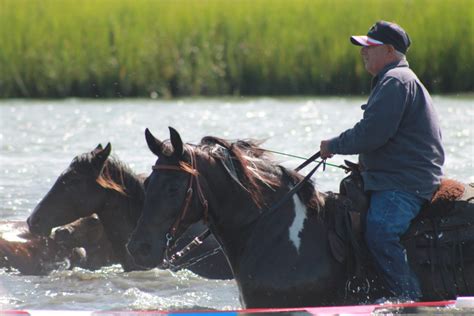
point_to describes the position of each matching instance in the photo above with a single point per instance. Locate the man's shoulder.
(402, 74)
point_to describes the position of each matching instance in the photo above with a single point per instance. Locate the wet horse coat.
(38, 255)
(97, 183)
(280, 258)
(274, 257)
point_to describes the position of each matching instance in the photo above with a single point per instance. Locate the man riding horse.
(400, 152)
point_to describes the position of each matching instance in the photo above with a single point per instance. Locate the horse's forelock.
(167, 148)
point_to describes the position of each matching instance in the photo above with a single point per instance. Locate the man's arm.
(379, 123)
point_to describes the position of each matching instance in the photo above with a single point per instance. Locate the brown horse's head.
(78, 192)
(84, 232)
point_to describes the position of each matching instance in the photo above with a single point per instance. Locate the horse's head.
(173, 200)
(76, 193)
(84, 232)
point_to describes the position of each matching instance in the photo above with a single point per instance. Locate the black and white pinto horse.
(279, 257)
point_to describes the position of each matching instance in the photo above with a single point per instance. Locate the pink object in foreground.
(466, 303)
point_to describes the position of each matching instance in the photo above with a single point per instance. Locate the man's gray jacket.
(399, 137)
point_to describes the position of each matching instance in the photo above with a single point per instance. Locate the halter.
(191, 169)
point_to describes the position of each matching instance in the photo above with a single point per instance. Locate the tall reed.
(114, 48)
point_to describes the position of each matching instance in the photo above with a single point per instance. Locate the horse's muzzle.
(34, 226)
(142, 254)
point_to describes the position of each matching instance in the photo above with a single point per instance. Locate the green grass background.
(126, 48)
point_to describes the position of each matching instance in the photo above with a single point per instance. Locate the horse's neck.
(231, 221)
(234, 213)
(234, 219)
(120, 212)
(244, 229)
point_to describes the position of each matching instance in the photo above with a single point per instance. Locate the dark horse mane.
(115, 175)
(256, 169)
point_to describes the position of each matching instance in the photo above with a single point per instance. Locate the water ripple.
(38, 139)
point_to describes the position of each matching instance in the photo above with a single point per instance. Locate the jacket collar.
(400, 63)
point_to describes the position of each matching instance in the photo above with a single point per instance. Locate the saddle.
(441, 237)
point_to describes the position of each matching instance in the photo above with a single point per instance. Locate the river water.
(38, 139)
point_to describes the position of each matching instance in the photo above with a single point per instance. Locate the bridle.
(194, 174)
(193, 180)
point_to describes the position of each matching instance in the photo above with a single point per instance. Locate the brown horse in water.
(67, 247)
(96, 183)
(280, 257)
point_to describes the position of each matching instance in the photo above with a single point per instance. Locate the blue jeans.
(389, 216)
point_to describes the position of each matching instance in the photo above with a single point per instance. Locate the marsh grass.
(114, 48)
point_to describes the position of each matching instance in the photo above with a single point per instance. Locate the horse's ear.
(107, 150)
(97, 149)
(176, 142)
(101, 155)
(154, 144)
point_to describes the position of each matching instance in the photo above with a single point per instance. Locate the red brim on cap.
(364, 40)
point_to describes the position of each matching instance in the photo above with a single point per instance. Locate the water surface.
(38, 139)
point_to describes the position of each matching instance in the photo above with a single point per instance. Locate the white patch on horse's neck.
(298, 222)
